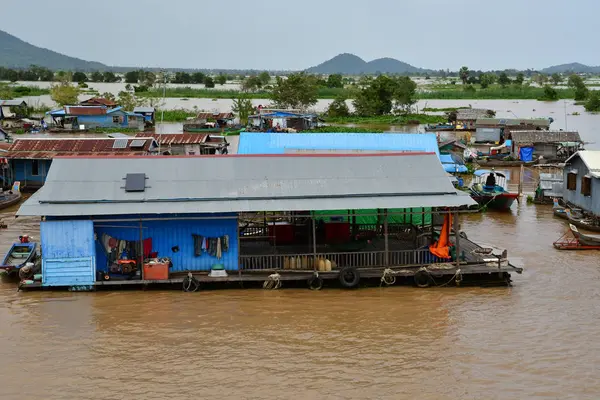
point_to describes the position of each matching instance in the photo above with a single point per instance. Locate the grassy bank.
(408, 119)
(191, 93)
(345, 129)
(8, 92)
(447, 109)
(179, 115)
(491, 93)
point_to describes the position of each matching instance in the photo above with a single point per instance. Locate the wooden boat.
(440, 127)
(575, 240)
(495, 198)
(9, 198)
(583, 222)
(18, 256)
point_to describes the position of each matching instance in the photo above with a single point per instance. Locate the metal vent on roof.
(135, 182)
(137, 143)
(120, 143)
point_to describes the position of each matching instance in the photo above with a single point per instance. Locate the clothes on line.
(212, 246)
(115, 248)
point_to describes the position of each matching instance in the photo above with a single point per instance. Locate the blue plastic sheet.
(526, 153)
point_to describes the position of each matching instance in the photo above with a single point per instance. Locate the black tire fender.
(422, 279)
(315, 283)
(349, 277)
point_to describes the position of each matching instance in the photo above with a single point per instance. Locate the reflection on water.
(392, 343)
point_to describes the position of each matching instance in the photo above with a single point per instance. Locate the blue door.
(68, 253)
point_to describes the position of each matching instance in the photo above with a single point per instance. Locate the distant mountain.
(350, 64)
(15, 53)
(572, 67)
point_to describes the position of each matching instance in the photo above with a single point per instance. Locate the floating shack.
(549, 145)
(582, 181)
(189, 144)
(109, 222)
(74, 118)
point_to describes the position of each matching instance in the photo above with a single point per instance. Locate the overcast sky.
(267, 34)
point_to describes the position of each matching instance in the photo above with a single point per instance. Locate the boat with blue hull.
(19, 256)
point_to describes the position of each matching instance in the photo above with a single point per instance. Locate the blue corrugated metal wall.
(167, 234)
(588, 203)
(68, 253)
(22, 170)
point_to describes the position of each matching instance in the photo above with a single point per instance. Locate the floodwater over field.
(536, 340)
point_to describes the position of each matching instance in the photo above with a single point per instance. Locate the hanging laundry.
(225, 243)
(198, 241)
(218, 249)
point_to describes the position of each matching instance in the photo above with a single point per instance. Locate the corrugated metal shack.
(468, 116)
(92, 117)
(492, 130)
(551, 145)
(550, 187)
(189, 144)
(30, 158)
(248, 215)
(581, 180)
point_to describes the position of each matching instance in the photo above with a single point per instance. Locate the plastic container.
(327, 266)
(321, 265)
(156, 272)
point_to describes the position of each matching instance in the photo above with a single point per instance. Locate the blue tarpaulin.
(452, 165)
(526, 153)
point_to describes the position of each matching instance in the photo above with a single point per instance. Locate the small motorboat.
(9, 198)
(20, 255)
(577, 218)
(585, 240)
(575, 240)
(496, 196)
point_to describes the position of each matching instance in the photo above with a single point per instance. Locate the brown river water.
(536, 340)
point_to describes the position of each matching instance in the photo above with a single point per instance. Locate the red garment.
(147, 247)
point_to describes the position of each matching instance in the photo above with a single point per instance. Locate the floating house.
(491, 130)
(178, 220)
(549, 145)
(550, 187)
(92, 117)
(30, 159)
(209, 122)
(581, 179)
(290, 143)
(466, 118)
(11, 112)
(189, 144)
(148, 113)
(283, 121)
(99, 101)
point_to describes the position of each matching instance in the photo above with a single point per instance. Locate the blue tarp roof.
(56, 112)
(278, 143)
(453, 165)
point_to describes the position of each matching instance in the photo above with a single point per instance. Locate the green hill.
(349, 64)
(15, 53)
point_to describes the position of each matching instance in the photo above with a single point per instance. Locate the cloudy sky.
(267, 34)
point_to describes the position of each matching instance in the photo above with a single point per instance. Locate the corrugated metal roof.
(544, 137)
(541, 122)
(177, 138)
(12, 103)
(85, 110)
(471, 114)
(591, 159)
(94, 186)
(51, 148)
(281, 143)
(207, 115)
(99, 101)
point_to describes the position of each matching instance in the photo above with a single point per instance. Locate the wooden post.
(314, 238)
(457, 238)
(521, 180)
(386, 257)
(141, 250)
(239, 248)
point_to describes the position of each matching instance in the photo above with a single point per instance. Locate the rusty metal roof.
(99, 101)
(50, 148)
(177, 138)
(215, 116)
(521, 137)
(85, 110)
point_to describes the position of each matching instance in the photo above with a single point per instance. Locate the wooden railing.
(375, 259)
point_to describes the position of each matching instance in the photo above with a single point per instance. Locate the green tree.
(338, 108)
(265, 78)
(550, 94)
(79, 77)
(97, 76)
(335, 81)
(463, 74)
(384, 94)
(519, 79)
(197, 77)
(297, 91)
(221, 79)
(182, 77)
(209, 82)
(485, 80)
(44, 74)
(128, 101)
(63, 93)
(540, 79)
(504, 80)
(593, 102)
(132, 77)
(110, 77)
(577, 83)
(242, 106)
(252, 83)
(556, 78)
(148, 78)
(12, 75)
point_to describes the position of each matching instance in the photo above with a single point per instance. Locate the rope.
(388, 277)
(273, 283)
(457, 277)
(190, 284)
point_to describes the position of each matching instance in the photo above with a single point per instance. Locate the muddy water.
(536, 340)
